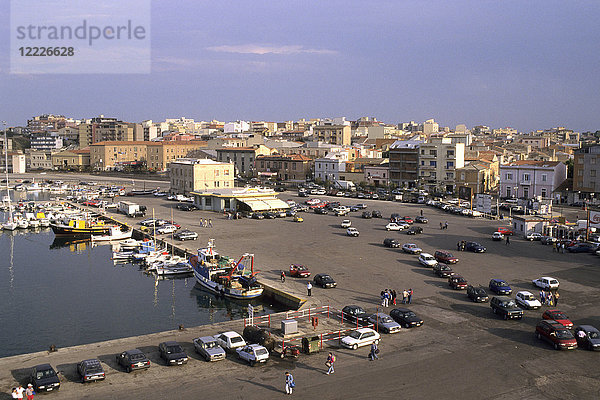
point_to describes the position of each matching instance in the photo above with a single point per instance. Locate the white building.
(430, 126)
(237, 126)
(329, 167)
(530, 179)
(438, 160)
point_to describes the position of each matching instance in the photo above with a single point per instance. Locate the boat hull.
(214, 287)
(65, 230)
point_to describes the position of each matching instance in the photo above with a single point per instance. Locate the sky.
(524, 64)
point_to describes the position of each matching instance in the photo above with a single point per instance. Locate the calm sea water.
(75, 295)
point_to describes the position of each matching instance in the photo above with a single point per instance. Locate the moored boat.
(79, 227)
(115, 233)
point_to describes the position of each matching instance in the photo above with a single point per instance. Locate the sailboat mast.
(10, 216)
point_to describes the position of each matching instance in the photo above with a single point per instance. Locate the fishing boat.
(115, 233)
(130, 244)
(80, 227)
(178, 269)
(221, 275)
(122, 255)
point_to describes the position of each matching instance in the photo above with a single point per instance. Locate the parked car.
(44, 378)
(356, 314)
(361, 206)
(321, 211)
(172, 353)
(414, 230)
(185, 235)
(352, 232)
(253, 353)
(360, 337)
(548, 240)
(406, 317)
(531, 236)
(324, 280)
(559, 317)
(457, 282)
(445, 257)
(186, 207)
(546, 282)
(346, 224)
(497, 236)
(299, 271)
(442, 270)
(148, 222)
(421, 219)
(411, 248)
(427, 260)
(555, 334)
(408, 220)
(133, 360)
(506, 307)
(389, 242)
(477, 294)
(587, 336)
(376, 214)
(298, 219)
(474, 247)
(505, 231)
(367, 214)
(90, 370)
(384, 323)
(208, 348)
(166, 229)
(500, 286)
(582, 248)
(230, 340)
(527, 300)
(257, 216)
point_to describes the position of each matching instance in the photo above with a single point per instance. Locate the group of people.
(444, 225)
(233, 215)
(549, 298)
(18, 392)
(206, 223)
(389, 296)
(558, 247)
(460, 246)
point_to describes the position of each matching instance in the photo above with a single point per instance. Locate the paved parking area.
(462, 351)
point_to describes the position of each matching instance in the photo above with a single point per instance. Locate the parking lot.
(462, 350)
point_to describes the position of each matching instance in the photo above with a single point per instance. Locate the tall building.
(102, 129)
(430, 126)
(438, 160)
(46, 122)
(46, 141)
(242, 157)
(338, 134)
(586, 170)
(188, 175)
(404, 162)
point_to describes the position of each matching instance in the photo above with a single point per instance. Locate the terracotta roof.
(120, 143)
(236, 149)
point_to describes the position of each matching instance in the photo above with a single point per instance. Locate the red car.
(408, 220)
(559, 317)
(299, 271)
(457, 282)
(445, 257)
(505, 231)
(556, 334)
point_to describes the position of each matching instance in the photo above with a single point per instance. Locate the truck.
(131, 209)
(345, 185)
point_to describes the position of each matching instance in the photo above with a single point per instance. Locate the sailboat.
(10, 224)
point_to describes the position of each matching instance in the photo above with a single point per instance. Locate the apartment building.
(333, 134)
(331, 166)
(530, 179)
(40, 160)
(103, 129)
(46, 141)
(475, 176)
(586, 170)
(404, 162)
(438, 160)
(188, 175)
(292, 167)
(242, 157)
(46, 122)
(71, 160)
(377, 175)
(161, 154)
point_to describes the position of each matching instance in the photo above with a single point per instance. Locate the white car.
(230, 340)
(360, 337)
(352, 232)
(313, 202)
(411, 248)
(346, 223)
(533, 236)
(166, 229)
(253, 353)
(545, 282)
(527, 300)
(427, 260)
(497, 236)
(392, 226)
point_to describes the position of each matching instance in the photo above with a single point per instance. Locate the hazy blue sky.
(525, 64)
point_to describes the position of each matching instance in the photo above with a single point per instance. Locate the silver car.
(384, 323)
(208, 348)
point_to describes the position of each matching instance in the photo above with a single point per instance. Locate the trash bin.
(289, 326)
(311, 344)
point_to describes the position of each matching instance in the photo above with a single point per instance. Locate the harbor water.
(56, 293)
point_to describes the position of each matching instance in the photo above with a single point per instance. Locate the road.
(462, 351)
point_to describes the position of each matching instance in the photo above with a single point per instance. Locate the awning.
(264, 204)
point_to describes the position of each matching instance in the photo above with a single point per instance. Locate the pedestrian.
(373, 352)
(441, 225)
(394, 296)
(563, 246)
(29, 392)
(556, 297)
(507, 240)
(542, 296)
(404, 296)
(289, 383)
(458, 246)
(421, 212)
(386, 298)
(550, 299)
(282, 276)
(410, 294)
(554, 247)
(309, 288)
(446, 225)
(329, 363)
(20, 391)
(210, 223)
(14, 393)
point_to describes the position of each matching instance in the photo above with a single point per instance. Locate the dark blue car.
(474, 247)
(582, 248)
(500, 286)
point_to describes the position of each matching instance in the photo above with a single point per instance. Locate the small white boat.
(177, 269)
(22, 223)
(10, 225)
(114, 234)
(34, 223)
(122, 255)
(45, 222)
(130, 244)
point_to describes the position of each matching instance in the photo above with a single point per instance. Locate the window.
(508, 192)
(508, 176)
(450, 164)
(450, 153)
(544, 177)
(208, 201)
(543, 193)
(433, 163)
(593, 172)
(580, 172)
(592, 160)
(462, 176)
(526, 192)
(526, 177)
(422, 162)
(433, 153)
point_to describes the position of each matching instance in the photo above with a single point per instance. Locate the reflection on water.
(234, 309)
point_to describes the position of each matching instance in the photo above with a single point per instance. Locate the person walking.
(289, 383)
(542, 296)
(441, 225)
(507, 240)
(421, 212)
(282, 275)
(404, 296)
(29, 392)
(550, 299)
(563, 246)
(210, 223)
(329, 363)
(14, 393)
(556, 297)
(394, 296)
(554, 247)
(386, 298)
(20, 391)
(309, 288)
(373, 352)
(458, 246)
(410, 294)
(446, 225)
